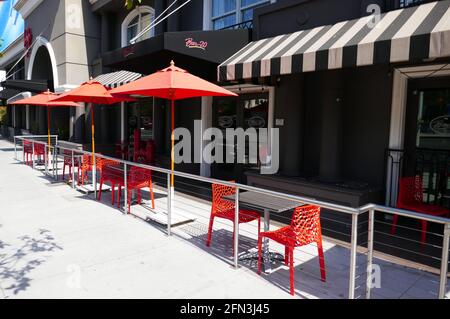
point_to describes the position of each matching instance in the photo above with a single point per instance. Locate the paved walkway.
(56, 242)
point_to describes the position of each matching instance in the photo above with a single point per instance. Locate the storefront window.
(433, 129)
(141, 118)
(137, 21)
(226, 13)
(250, 110)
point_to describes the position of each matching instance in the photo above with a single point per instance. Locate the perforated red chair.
(222, 208)
(68, 162)
(304, 229)
(39, 151)
(410, 197)
(112, 173)
(86, 166)
(27, 150)
(137, 178)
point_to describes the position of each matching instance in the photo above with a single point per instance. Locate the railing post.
(73, 171)
(236, 229)
(370, 252)
(94, 175)
(444, 262)
(125, 187)
(54, 163)
(23, 153)
(354, 244)
(169, 207)
(46, 159)
(32, 154)
(15, 149)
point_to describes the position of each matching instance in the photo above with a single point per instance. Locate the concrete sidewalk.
(56, 243)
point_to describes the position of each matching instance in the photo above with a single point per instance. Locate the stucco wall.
(74, 35)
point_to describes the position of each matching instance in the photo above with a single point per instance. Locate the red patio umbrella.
(45, 99)
(92, 92)
(172, 83)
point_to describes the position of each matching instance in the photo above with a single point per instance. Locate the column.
(206, 122)
(27, 117)
(79, 124)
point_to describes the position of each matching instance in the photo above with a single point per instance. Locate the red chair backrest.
(27, 146)
(410, 191)
(218, 192)
(306, 225)
(139, 176)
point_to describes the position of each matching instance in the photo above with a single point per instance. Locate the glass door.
(427, 140)
(249, 110)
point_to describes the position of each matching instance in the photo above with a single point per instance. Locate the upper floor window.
(226, 13)
(137, 21)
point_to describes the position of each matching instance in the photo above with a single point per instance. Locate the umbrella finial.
(172, 63)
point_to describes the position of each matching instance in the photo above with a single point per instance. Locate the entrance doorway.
(248, 110)
(427, 137)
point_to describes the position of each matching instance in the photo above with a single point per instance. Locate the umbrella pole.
(94, 166)
(48, 127)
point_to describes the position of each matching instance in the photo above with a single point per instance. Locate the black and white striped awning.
(409, 34)
(116, 79)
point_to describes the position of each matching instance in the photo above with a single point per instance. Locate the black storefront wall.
(199, 52)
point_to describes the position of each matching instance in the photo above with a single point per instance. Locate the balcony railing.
(397, 4)
(243, 25)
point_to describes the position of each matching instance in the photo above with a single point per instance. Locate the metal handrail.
(354, 212)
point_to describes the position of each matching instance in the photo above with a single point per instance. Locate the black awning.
(34, 86)
(189, 49)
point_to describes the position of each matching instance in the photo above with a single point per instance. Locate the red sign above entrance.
(191, 44)
(28, 40)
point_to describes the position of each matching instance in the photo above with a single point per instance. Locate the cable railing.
(187, 216)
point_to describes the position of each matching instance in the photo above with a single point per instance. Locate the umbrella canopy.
(172, 83)
(91, 92)
(45, 99)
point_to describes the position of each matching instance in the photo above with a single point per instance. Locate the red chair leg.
(286, 256)
(119, 195)
(64, 172)
(70, 172)
(139, 196)
(129, 201)
(100, 190)
(259, 253)
(152, 196)
(323, 274)
(423, 238)
(210, 229)
(291, 270)
(394, 224)
(112, 192)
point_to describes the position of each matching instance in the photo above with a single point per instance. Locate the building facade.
(336, 125)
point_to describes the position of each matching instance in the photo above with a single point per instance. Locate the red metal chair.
(222, 208)
(410, 197)
(304, 229)
(137, 178)
(27, 150)
(68, 162)
(112, 173)
(39, 151)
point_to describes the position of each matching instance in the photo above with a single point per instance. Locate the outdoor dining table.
(267, 204)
